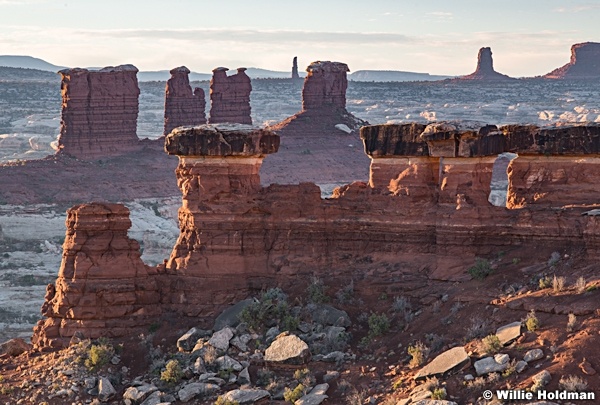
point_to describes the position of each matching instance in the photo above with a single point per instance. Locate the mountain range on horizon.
(30, 62)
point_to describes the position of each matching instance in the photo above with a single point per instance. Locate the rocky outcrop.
(485, 68)
(182, 106)
(103, 287)
(584, 63)
(230, 97)
(295, 75)
(99, 112)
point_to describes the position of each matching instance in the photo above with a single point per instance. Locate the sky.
(527, 37)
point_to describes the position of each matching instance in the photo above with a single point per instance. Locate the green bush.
(438, 394)
(491, 344)
(272, 305)
(378, 325)
(99, 355)
(532, 322)
(172, 372)
(295, 394)
(316, 291)
(419, 353)
(480, 270)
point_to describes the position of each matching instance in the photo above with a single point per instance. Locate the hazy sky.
(528, 37)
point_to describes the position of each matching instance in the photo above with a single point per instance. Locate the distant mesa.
(584, 64)
(393, 76)
(485, 68)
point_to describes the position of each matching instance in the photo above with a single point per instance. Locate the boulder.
(192, 390)
(105, 389)
(532, 355)
(231, 316)
(227, 363)
(139, 393)
(449, 360)
(330, 316)
(246, 396)
(489, 365)
(508, 333)
(288, 350)
(187, 341)
(220, 339)
(14, 347)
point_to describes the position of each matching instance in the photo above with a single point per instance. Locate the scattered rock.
(220, 340)
(542, 378)
(241, 342)
(153, 399)
(244, 377)
(231, 316)
(586, 367)
(199, 367)
(449, 360)
(490, 365)
(227, 363)
(246, 396)
(14, 347)
(533, 355)
(105, 389)
(521, 366)
(331, 375)
(187, 341)
(508, 333)
(330, 316)
(288, 350)
(139, 393)
(192, 390)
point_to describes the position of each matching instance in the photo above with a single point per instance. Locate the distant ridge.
(28, 62)
(393, 76)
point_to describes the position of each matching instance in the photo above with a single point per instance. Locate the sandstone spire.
(182, 106)
(485, 68)
(295, 75)
(230, 97)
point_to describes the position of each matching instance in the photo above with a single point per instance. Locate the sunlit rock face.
(230, 97)
(584, 63)
(485, 68)
(99, 112)
(182, 105)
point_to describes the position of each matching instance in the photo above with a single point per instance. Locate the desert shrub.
(481, 269)
(435, 342)
(419, 353)
(210, 355)
(476, 384)
(316, 291)
(439, 393)
(558, 284)
(545, 282)
(222, 401)
(493, 378)
(478, 328)
(511, 369)
(293, 395)
(345, 295)
(304, 377)
(378, 325)
(580, 285)
(172, 372)
(403, 307)
(356, 397)
(343, 386)
(264, 377)
(532, 322)
(491, 344)
(272, 306)
(572, 383)
(431, 383)
(572, 323)
(99, 355)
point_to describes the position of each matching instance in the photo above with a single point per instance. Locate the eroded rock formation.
(584, 63)
(182, 106)
(99, 112)
(103, 287)
(485, 68)
(295, 75)
(230, 97)
(423, 215)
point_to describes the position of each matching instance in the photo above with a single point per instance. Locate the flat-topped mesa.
(103, 287)
(485, 68)
(183, 107)
(230, 97)
(295, 75)
(99, 112)
(325, 86)
(584, 63)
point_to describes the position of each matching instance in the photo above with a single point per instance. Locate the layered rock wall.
(230, 97)
(183, 107)
(99, 112)
(325, 86)
(584, 63)
(423, 215)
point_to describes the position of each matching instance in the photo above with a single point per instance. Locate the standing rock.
(295, 75)
(182, 106)
(230, 97)
(99, 112)
(485, 68)
(288, 349)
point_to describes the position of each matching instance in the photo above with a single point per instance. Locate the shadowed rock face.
(99, 112)
(485, 68)
(182, 106)
(230, 97)
(584, 64)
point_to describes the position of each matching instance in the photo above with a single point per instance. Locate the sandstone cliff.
(99, 112)
(230, 97)
(485, 68)
(584, 63)
(182, 106)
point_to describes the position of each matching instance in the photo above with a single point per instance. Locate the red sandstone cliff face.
(423, 216)
(485, 68)
(103, 287)
(99, 112)
(230, 97)
(182, 106)
(325, 86)
(584, 64)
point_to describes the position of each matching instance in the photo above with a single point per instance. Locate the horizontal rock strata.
(183, 107)
(230, 97)
(584, 63)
